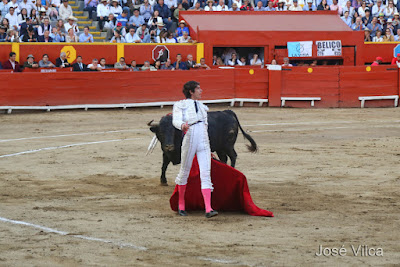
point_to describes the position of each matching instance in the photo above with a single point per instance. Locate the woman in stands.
(170, 38)
(190, 116)
(22, 16)
(157, 64)
(378, 38)
(5, 24)
(323, 6)
(255, 60)
(71, 37)
(388, 37)
(162, 37)
(152, 23)
(210, 6)
(281, 6)
(115, 8)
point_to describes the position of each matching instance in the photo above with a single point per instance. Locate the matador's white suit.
(195, 141)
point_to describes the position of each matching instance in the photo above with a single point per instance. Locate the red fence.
(335, 86)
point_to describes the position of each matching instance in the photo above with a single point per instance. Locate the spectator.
(336, 7)
(185, 6)
(185, 38)
(162, 37)
(123, 18)
(157, 64)
(202, 64)
(367, 19)
(117, 38)
(270, 6)
(103, 63)
(396, 20)
(210, 6)
(346, 18)
(197, 7)
(57, 36)
(367, 35)
(219, 62)
(273, 62)
(62, 61)
(361, 10)
(54, 7)
(171, 4)
(71, 24)
(23, 29)
(132, 37)
(45, 38)
(152, 23)
(3, 33)
(146, 10)
(190, 63)
(44, 26)
(22, 16)
(295, 6)
(121, 29)
(286, 62)
(388, 37)
(12, 19)
(42, 15)
(323, 5)
(86, 37)
(378, 37)
(177, 10)
(45, 62)
(143, 34)
(65, 10)
(358, 25)
(30, 63)
(378, 8)
(260, 6)
(179, 65)
(309, 6)
(164, 12)
(90, 7)
(60, 27)
(397, 36)
(396, 60)
(182, 28)
(115, 8)
(102, 13)
(281, 6)
(133, 66)
(79, 65)
(147, 66)
(234, 60)
(94, 66)
(246, 6)
(27, 5)
(4, 7)
(121, 65)
(30, 36)
(170, 38)
(167, 65)
(381, 19)
(255, 61)
(222, 6)
(14, 4)
(242, 61)
(11, 64)
(12, 36)
(349, 8)
(71, 37)
(109, 27)
(374, 26)
(389, 25)
(136, 20)
(5, 23)
(377, 62)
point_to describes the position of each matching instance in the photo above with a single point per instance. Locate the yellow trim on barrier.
(15, 49)
(200, 51)
(120, 51)
(381, 42)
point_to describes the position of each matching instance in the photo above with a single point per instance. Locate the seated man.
(11, 63)
(45, 62)
(117, 38)
(79, 66)
(30, 63)
(286, 62)
(86, 37)
(203, 65)
(94, 66)
(123, 18)
(136, 20)
(179, 65)
(190, 64)
(167, 65)
(62, 61)
(103, 63)
(185, 38)
(45, 38)
(147, 66)
(143, 33)
(132, 37)
(133, 66)
(121, 65)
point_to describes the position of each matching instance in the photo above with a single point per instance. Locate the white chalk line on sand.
(74, 134)
(328, 128)
(107, 241)
(65, 146)
(317, 122)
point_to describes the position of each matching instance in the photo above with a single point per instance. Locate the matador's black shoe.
(182, 213)
(211, 214)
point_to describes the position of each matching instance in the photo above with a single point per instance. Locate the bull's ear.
(154, 129)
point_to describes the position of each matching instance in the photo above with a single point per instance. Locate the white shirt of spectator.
(293, 8)
(115, 10)
(258, 62)
(57, 3)
(377, 39)
(361, 11)
(377, 10)
(240, 63)
(238, 2)
(299, 3)
(12, 19)
(170, 40)
(28, 5)
(389, 12)
(68, 26)
(132, 39)
(224, 8)
(171, 3)
(181, 39)
(207, 8)
(153, 2)
(15, 6)
(65, 12)
(103, 10)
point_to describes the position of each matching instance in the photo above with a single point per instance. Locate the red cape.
(231, 192)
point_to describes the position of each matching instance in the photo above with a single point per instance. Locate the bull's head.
(166, 134)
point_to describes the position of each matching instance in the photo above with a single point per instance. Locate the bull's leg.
(164, 167)
(222, 156)
(232, 156)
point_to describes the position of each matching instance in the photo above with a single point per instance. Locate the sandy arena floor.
(331, 177)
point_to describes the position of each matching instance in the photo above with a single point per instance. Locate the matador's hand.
(185, 127)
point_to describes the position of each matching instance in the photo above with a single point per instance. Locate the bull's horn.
(152, 123)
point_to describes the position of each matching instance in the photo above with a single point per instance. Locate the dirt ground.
(331, 177)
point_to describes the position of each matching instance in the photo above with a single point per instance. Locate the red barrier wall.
(358, 81)
(5, 50)
(251, 83)
(384, 50)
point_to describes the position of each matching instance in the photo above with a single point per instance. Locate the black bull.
(222, 131)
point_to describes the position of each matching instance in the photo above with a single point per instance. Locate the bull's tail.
(253, 147)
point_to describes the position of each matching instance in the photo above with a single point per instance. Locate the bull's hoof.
(164, 184)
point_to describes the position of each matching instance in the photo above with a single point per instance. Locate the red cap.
(379, 58)
(119, 24)
(398, 55)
